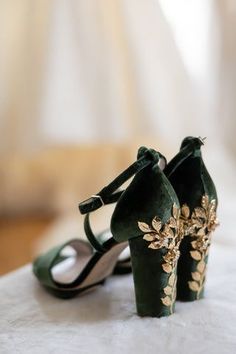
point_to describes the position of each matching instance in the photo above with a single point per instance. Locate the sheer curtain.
(23, 43)
(76, 71)
(226, 14)
(81, 71)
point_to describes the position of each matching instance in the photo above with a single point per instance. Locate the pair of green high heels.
(166, 215)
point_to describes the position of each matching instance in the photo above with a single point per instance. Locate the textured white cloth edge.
(104, 321)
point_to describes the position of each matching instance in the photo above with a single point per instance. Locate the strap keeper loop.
(99, 197)
(93, 203)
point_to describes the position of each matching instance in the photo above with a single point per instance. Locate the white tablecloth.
(104, 321)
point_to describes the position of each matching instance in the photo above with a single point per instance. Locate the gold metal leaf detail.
(175, 211)
(201, 232)
(167, 267)
(172, 279)
(156, 223)
(144, 227)
(149, 237)
(196, 276)
(193, 285)
(205, 201)
(168, 290)
(154, 246)
(167, 232)
(200, 213)
(196, 255)
(166, 301)
(185, 211)
(201, 266)
(194, 244)
(199, 225)
(166, 236)
(173, 297)
(173, 223)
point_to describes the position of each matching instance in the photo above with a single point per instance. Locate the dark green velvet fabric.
(152, 194)
(149, 194)
(190, 181)
(43, 264)
(149, 279)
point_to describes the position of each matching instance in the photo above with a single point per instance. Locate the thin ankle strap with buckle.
(109, 194)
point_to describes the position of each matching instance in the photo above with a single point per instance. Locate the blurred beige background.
(83, 83)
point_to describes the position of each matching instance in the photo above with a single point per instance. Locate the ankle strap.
(190, 146)
(108, 194)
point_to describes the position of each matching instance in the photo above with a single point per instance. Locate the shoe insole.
(69, 269)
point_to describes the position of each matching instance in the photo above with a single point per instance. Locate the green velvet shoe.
(78, 266)
(147, 215)
(198, 199)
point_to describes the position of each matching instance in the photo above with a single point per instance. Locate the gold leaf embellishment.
(170, 291)
(199, 225)
(166, 236)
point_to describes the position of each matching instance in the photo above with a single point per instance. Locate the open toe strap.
(43, 265)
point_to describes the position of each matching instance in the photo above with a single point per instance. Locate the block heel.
(193, 274)
(148, 216)
(198, 199)
(155, 290)
(199, 225)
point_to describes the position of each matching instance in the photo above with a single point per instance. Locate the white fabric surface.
(104, 321)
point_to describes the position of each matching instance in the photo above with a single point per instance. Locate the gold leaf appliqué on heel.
(199, 225)
(166, 236)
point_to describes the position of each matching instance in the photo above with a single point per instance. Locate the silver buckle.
(202, 140)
